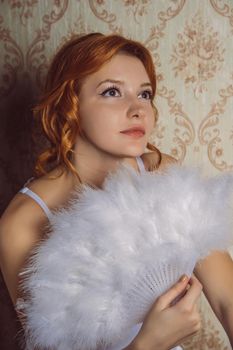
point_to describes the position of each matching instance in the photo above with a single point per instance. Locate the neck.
(93, 165)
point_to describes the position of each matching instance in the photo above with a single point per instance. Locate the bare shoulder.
(53, 188)
(158, 161)
(22, 226)
(23, 212)
(22, 209)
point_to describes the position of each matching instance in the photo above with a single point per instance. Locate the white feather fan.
(115, 250)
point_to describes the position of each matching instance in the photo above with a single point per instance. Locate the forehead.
(122, 67)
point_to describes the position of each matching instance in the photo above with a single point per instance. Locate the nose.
(135, 110)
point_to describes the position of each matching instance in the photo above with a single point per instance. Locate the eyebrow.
(121, 83)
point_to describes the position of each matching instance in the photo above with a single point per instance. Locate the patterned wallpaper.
(191, 42)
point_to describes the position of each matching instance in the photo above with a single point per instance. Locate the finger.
(174, 292)
(193, 292)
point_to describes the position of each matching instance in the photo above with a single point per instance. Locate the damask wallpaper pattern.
(191, 42)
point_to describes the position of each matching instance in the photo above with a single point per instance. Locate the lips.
(136, 131)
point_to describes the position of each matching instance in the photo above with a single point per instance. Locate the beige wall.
(192, 45)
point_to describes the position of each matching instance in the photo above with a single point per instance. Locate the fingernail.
(183, 278)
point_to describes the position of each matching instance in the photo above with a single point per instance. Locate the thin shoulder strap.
(38, 200)
(140, 164)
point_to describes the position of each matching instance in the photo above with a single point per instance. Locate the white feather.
(115, 250)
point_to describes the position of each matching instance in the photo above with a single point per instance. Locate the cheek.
(101, 112)
(96, 119)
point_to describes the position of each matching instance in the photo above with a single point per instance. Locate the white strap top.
(140, 164)
(38, 200)
(42, 204)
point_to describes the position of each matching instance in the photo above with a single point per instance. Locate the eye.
(147, 94)
(111, 92)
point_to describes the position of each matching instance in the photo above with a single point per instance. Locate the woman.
(97, 113)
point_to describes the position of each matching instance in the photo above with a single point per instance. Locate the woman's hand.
(167, 323)
(216, 274)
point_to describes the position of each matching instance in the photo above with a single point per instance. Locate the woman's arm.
(216, 274)
(20, 231)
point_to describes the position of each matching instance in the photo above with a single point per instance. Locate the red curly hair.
(58, 109)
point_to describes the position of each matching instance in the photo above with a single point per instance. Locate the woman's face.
(116, 112)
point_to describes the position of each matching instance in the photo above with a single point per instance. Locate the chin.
(124, 151)
(135, 150)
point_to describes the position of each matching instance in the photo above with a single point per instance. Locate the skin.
(107, 108)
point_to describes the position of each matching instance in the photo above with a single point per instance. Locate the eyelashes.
(114, 91)
(111, 91)
(147, 94)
